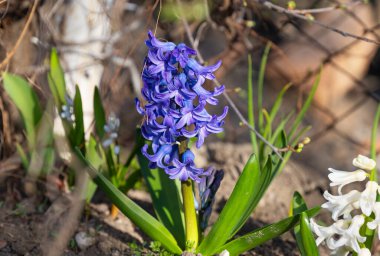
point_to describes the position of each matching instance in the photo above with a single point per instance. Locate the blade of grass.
(78, 132)
(369, 233)
(251, 110)
(260, 85)
(99, 114)
(267, 133)
(278, 102)
(280, 166)
(305, 107)
(280, 127)
(374, 131)
(57, 76)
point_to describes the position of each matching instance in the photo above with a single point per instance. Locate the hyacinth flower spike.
(175, 109)
(343, 236)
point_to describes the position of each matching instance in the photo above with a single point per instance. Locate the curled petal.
(153, 42)
(364, 162)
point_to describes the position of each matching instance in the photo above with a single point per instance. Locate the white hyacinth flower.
(341, 205)
(368, 197)
(364, 162)
(375, 224)
(323, 233)
(350, 237)
(343, 178)
(364, 252)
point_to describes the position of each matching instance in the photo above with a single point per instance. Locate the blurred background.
(101, 43)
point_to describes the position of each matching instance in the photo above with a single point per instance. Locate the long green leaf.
(23, 156)
(374, 131)
(369, 233)
(280, 127)
(262, 235)
(99, 114)
(27, 103)
(56, 77)
(308, 240)
(251, 110)
(278, 101)
(165, 194)
(78, 137)
(240, 205)
(96, 161)
(260, 85)
(280, 166)
(305, 106)
(298, 205)
(146, 222)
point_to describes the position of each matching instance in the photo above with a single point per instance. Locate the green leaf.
(54, 92)
(280, 165)
(308, 240)
(131, 180)
(251, 111)
(374, 131)
(166, 197)
(27, 103)
(298, 205)
(146, 222)
(56, 78)
(23, 157)
(96, 161)
(78, 137)
(280, 127)
(247, 193)
(369, 233)
(99, 114)
(260, 85)
(278, 101)
(305, 107)
(262, 235)
(49, 159)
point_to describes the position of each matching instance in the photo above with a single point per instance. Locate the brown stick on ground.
(21, 37)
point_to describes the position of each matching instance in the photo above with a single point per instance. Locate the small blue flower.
(163, 156)
(175, 106)
(185, 169)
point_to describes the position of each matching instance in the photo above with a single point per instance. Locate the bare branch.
(309, 18)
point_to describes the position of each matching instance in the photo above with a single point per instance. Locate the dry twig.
(309, 18)
(21, 37)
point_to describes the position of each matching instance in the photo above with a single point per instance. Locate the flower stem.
(191, 224)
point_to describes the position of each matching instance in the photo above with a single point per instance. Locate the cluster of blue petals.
(175, 107)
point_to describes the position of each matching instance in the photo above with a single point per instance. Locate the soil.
(28, 224)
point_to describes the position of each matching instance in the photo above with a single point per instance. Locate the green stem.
(374, 140)
(191, 223)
